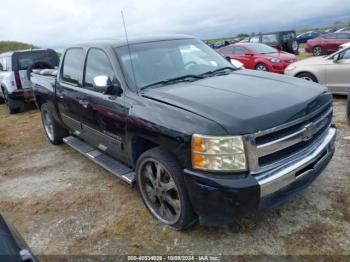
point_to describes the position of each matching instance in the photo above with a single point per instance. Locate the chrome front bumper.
(305, 165)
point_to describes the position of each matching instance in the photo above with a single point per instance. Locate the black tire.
(39, 65)
(2, 100)
(53, 130)
(12, 105)
(151, 160)
(260, 67)
(348, 109)
(317, 51)
(307, 76)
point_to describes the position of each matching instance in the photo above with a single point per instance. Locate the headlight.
(290, 67)
(218, 153)
(274, 60)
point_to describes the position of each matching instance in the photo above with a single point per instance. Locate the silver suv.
(15, 68)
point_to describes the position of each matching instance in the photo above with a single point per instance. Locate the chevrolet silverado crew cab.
(14, 74)
(200, 138)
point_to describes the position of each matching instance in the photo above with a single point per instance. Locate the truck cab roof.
(118, 42)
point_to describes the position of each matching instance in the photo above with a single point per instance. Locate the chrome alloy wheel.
(159, 191)
(261, 67)
(317, 51)
(48, 125)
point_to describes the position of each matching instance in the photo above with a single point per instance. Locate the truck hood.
(245, 101)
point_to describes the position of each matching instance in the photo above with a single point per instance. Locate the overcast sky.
(56, 23)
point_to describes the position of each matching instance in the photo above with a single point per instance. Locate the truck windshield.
(157, 62)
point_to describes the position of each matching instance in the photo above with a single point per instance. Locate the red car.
(326, 44)
(258, 56)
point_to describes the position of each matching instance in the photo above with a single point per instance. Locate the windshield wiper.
(214, 72)
(184, 78)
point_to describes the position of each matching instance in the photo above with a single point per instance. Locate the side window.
(5, 63)
(343, 36)
(269, 39)
(330, 36)
(239, 51)
(227, 50)
(345, 54)
(73, 61)
(254, 39)
(97, 64)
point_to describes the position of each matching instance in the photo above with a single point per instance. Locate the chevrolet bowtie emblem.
(309, 131)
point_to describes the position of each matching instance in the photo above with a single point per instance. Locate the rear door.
(103, 115)
(338, 73)
(68, 89)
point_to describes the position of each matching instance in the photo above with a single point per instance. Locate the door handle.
(84, 103)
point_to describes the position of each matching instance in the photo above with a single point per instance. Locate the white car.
(14, 70)
(332, 70)
(344, 45)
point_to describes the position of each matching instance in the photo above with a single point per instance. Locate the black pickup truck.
(201, 138)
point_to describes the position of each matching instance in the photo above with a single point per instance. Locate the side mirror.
(237, 64)
(103, 84)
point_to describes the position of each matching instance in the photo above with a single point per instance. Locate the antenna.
(127, 42)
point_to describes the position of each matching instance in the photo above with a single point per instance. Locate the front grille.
(276, 144)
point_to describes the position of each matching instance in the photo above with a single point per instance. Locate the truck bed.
(43, 80)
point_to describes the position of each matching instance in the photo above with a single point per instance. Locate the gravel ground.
(64, 204)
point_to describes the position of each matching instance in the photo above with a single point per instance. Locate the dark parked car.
(200, 138)
(327, 43)
(12, 246)
(283, 40)
(302, 38)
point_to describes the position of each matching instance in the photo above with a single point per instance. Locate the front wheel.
(162, 188)
(307, 76)
(54, 131)
(261, 67)
(317, 51)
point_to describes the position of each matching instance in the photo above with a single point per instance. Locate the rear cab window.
(27, 59)
(72, 66)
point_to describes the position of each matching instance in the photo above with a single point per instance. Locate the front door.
(103, 116)
(338, 73)
(69, 88)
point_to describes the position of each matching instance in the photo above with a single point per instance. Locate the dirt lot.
(64, 204)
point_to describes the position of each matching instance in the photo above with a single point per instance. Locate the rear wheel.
(307, 76)
(12, 105)
(317, 51)
(162, 188)
(261, 67)
(54, 131)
